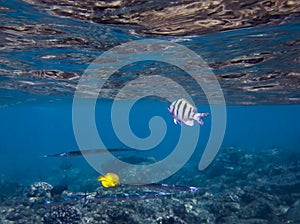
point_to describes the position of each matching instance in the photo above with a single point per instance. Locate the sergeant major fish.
(183, 111)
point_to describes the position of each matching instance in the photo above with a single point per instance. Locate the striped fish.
(183, 111)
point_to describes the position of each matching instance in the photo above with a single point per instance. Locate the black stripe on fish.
(180, 111)
(183, 110)
(174, 107)
(178, 108)
(190, 112)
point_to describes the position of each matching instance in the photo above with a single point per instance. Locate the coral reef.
(241, 187)
(170, 220)
(63, 215)
(38, 192)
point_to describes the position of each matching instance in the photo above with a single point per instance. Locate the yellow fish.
(109, 180)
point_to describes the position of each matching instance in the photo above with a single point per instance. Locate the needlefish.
(174, 187)
(87, 152)
(87, 198)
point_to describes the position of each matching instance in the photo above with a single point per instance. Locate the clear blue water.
(31, 130)
(36, 107)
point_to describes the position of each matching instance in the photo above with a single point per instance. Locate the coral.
(38, 192)
(63, 215)
(170, 220)
(269, 195)
(116, 214)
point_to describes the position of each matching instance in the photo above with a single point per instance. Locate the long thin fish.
(176, 187)
(114, 197)
(121, 197)
(85, 152)
(142, 196)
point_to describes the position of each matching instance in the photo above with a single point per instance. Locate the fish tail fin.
(197, 117)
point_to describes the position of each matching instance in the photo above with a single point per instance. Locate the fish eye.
(156, 195)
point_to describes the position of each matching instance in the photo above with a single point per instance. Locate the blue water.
(36, 109)
(31, 130)
(58, 96)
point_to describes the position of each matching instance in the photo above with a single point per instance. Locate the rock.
(63, 215)
(117, 214)
(38, 192)
(257, 209)
(170, 220)
(253, 221)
